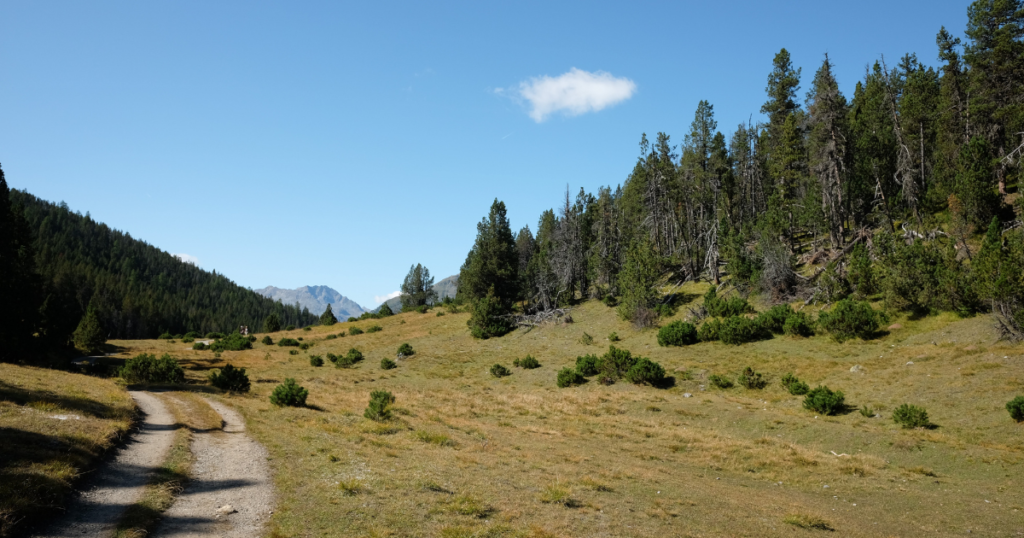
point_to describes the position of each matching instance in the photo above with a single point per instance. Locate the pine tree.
(271, 324)
(637, 280)
(493, 261)
(417, 288)
(490, 274)
(327, 318)
(385, 310)
(89, 337)
(19, 284)
(828, 147)
(973, 183)
(995, 53)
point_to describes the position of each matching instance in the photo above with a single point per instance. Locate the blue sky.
(296, 143)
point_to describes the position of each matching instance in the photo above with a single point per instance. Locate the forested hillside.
(136, 289)
(884, 194)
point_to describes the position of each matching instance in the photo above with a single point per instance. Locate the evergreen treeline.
(72, 264)
(902, 176)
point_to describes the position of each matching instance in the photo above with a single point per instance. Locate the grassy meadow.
(54, 426)
(469, 454)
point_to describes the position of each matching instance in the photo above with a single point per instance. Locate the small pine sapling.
(379, 409)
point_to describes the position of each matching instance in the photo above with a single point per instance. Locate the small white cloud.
(187, 258)
(573, 93)
(381, 298)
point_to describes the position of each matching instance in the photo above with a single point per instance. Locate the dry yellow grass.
(53, 427)
(634, 460)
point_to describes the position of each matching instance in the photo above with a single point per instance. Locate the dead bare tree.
(905, 170)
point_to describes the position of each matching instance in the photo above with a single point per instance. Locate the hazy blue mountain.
(316, 299)
(444, 288)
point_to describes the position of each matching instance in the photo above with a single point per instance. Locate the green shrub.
(440, 313)
(740, 330)
(677, 333)
(331, 337)
(387, 364)
(251, 338)
(1016, 408)
(146, 368)
(267, 341)
(860, 273)
(794, 385)
(751, 379)
(288, 342)
(499, 371)
(588, 365)
(646, 372)
(353, 356)
(214, 335)
(187, 340)
(664, 310)
(910, 416)
(192, 334)
(305, 345)
(351, 319)
(586, 339)
(824, 400)
(866, 411)
(289, 394)
(293, 352)
(422, 309)
(774, 319)
(849, 319)
(355, 331)
(333, 358)
(798, 324)
(720, 381)
(374, 329)
(380, 406)
(199, 346)
(165, 336)
(615, 363)
(609, 301)
(488, 319)
(316, 360)
(230, 378)
(724, 308)
(405, 350)
(568, 377)
(613, 337)
(710, 330)
(290, 328)
(232, 342)
(385, 311)
(527, 362)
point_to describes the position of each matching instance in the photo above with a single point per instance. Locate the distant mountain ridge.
(444, 288)
(316, 299)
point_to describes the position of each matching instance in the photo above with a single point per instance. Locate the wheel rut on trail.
(230, 470)
(95, 510)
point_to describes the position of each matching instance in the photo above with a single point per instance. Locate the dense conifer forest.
(73, 264)
(906, 192)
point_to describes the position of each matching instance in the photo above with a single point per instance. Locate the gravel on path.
(95, 511)
(230, 493)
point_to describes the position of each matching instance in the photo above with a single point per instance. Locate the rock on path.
(95, 511)
(230, 493)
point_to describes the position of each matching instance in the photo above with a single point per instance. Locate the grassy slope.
(632, 460)
(41, 455)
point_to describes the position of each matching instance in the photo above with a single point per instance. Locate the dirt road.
(230, 493)
(95, 511)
